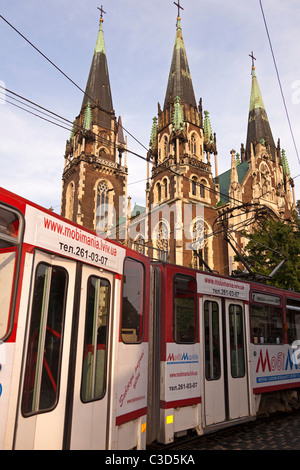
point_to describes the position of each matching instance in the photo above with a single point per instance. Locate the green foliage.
(284, 239)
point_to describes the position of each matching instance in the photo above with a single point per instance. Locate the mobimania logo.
(181, 358)
(280, 361)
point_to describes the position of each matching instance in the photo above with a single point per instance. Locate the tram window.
(10, 235)
(7, 269)
(212, 340)
(132, 324)
(293, 320)
(184, 313)
(236, 329)
(41, 385)
(266, 324)
(95, 339)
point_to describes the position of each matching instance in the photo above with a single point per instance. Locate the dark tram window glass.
(212, 340)
(185, 309)
(236, 330)
(132, 324)
(93, 382)
(10, 237)
(293, 320)
(43, 362)
(266, 324)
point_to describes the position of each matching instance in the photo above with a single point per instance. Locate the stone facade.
(191, 217)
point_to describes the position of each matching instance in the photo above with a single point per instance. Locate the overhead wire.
(57, 117)
(278, 77)
(68, 78)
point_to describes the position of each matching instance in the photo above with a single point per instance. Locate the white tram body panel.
(65, 383)
(102, 349)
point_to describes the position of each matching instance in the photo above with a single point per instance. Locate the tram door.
(43, 391)
(90, 414)
(225, 373)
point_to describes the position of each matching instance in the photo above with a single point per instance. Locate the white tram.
(102, 349)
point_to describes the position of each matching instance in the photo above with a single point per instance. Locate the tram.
(102, 348)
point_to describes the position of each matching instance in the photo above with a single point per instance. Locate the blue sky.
(139, 38)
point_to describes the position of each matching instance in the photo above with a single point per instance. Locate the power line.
(68, 78)
(277, 72)
(36, 107)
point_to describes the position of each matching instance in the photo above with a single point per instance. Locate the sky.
(139, 39)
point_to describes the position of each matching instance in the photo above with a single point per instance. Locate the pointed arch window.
(102, 206)
(158, 192)
(202, 188)
(165, 155)
(193, 145)
(200, 244)
(165, 185)
(70, 201)
(161, 237)
(194, 186)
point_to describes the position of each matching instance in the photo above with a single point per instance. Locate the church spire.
(180, 81)
(259, 130)
(98, 85)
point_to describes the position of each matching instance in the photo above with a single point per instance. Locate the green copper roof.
(178, 115)
(285, 164)
(88, 117)
(207, 127)
(100, 45)
(153, 138)
(256, 100)
(225, 180)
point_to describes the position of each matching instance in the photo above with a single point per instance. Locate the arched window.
(102, 206)
(202, 188)
(161, 239)
(158, 192)
(70, 201)
(200, 244)
(165, 184)
(165, 147)
(194, 186)
(193, 145)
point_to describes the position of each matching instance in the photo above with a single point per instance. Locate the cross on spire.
(179, 7)
(253, 59)
(102, 11)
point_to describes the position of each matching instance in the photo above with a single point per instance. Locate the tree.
(270, 243)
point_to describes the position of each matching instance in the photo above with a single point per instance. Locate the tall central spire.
(98, 85)
(180, 81)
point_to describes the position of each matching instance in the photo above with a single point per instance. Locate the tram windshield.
(10, 235)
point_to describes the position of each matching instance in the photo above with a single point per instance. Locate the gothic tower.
(271, 182)
(259, 180)
(181, 193)
(95, 178)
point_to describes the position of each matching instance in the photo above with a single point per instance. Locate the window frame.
(195, 297)
(94, 371)
(292, 307)
(42, 328)
(142, 311)
(210, 351)
(17, 245)
(237, 372)
(268, 309)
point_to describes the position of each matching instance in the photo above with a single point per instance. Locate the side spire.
(98, 85)
(259, 129)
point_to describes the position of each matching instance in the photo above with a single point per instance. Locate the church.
(192, 215)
